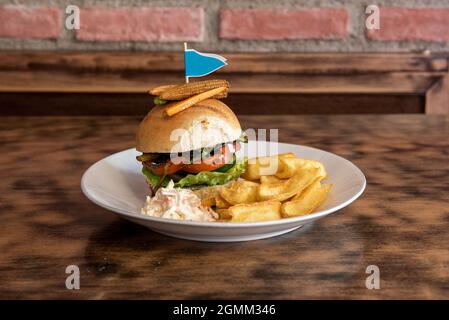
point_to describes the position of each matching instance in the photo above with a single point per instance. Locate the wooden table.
(400, 223)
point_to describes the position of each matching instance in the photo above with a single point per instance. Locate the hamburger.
(195, 147)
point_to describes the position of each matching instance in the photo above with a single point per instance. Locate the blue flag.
(199, 64)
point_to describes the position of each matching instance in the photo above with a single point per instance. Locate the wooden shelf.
(291, 74)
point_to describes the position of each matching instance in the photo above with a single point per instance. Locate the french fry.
(319, 165)
(294, 188)
(269, 179)
(263, 166)
(208, 202)
(158, 90)
(223, 214)
(177, 107)
(187, 90)
(259, 211)
(240, 191)
(284, 190)
(221, 203)
(207, 192)
(289, 166)
(207, 195)
(307, 201)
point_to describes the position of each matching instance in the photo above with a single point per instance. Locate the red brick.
(141, 24)
(278, 24)
(430, 24)
(18, 21)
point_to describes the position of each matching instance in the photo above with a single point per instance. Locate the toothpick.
(185, 49)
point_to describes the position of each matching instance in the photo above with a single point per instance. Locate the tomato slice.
(218, 160)
(168, 168)
(209, 164)
(228, 150)
(213, 162)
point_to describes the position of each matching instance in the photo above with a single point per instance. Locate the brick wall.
(258, 25)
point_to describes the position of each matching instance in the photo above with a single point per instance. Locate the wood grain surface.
(34, 80)
(279, 62)
(400, 223)
(114, 104)
(134, 72)
(138, 82)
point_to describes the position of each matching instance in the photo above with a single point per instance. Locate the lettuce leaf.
(159, 101)
(153, 179)
(212, 178)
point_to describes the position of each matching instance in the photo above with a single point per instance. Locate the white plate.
(117, 184)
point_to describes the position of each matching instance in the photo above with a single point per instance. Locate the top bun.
(206, 124)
